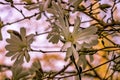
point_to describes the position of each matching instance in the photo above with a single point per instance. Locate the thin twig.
(115, 48)
(97, 75)
(6, 3)
(101, 64)
(38, 34)
(20, 11)
(27, 17)
(90, 69)
(108, 67)
(61, 71)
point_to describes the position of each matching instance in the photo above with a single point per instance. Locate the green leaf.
(54, 35)
(20, 55)
(37, 70)
(22, 74)
(36, 66)
(23, 33)
(27, 56)
(104, 6)
(16, 39)
(13, 42)
(15, 56)
(76, 4)
(55, 39)
(18, 72)
(30, 38)
(19, 59)
(14, 34)
(49, 35)
(8, 54)
(12, 48)
(41, 7)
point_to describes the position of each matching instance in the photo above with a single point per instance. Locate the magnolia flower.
(19, 45)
